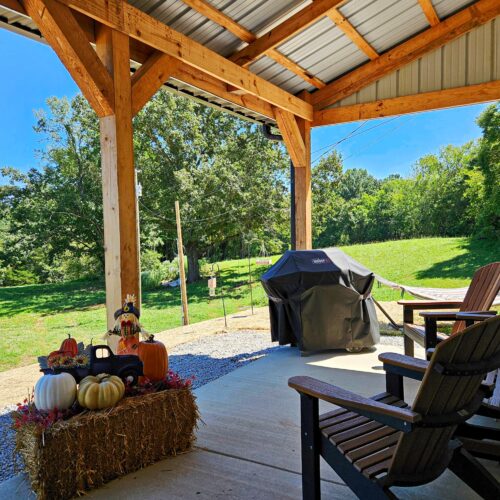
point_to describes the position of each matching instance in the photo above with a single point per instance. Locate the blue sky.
(385, 146)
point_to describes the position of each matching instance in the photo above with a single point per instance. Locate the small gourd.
(103, 391)
(154, 357)
(55, 391)
(70, 346)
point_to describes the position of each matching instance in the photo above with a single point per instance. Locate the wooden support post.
(121, 239)
(182, 274)
(303, 193)
(296, 134)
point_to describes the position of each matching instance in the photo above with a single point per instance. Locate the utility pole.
(182, 274)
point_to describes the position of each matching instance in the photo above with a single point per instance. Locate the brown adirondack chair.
(479, 438)
(379, 442)
(482, 291)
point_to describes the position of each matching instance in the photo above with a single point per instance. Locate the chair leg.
(474, 474)
(409, 346)
(311, 483)
(430, 334)
(394, 385)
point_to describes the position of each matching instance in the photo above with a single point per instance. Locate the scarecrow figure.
(127, 327)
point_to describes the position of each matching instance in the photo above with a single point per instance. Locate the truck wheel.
(129, 376)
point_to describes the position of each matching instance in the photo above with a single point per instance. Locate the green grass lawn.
(34, 319)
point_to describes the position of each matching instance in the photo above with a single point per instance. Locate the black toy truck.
(102, 360)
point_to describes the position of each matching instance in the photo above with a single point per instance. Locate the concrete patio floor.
(248, 445)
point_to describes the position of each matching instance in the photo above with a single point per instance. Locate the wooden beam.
(429, 11)
(61, 30)
(13, 5)
(292, 137)
(298, 22)
(148, 79)
(477, 14)
(215, 15)
(426, 101)
(207, 83)
(123, 17)
(120, 201)
(350, 31)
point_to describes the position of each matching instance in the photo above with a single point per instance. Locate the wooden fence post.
(182, 274)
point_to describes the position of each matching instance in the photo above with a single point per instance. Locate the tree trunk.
(193, 273)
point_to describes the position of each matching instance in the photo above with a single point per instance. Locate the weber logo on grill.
(320, 261)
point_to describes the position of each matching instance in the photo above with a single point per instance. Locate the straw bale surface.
(94, 447)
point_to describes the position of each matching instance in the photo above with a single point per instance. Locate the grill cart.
(321, 299)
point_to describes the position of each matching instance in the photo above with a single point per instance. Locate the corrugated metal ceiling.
(322, 49)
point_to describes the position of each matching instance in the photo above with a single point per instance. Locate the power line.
(350, 136)
(377, 140)
(186, 222)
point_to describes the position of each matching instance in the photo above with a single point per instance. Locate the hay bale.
(95, 447)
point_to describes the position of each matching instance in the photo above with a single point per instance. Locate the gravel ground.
(207, 359)
(210, 358)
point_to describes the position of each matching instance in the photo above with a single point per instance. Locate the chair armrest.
(430, 304)
(405, 366)
(475, 315)
(398, 418)
(439, 315)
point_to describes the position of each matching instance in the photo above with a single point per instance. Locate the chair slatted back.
(424, 453)
(482, 291)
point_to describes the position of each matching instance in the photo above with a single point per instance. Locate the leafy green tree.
(58, 208)
(326, 177)
(357, 181)
(445, 193)
(489, 164)
(228, 178)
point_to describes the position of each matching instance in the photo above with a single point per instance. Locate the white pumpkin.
(55, 391)
(103, 391)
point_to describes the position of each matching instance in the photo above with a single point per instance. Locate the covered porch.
(291, 65)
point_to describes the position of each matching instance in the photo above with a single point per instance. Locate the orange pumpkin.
(55, 354)
(154, 357)
(70, 346)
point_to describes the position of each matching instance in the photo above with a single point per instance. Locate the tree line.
(233, 187)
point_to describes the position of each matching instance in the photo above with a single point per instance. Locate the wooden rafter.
(290, 131)
(298, 22)
(127, 19)
(458, 96)
(148, 79)
(350, 31)
(210, 12)
(477, 14)
(429, 11)
(14, 5)
(60, 28)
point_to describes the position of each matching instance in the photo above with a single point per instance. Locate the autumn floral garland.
(27, 414)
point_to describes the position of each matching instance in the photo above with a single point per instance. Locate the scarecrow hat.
(128, 308)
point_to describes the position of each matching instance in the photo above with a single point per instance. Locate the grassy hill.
(34, 319)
